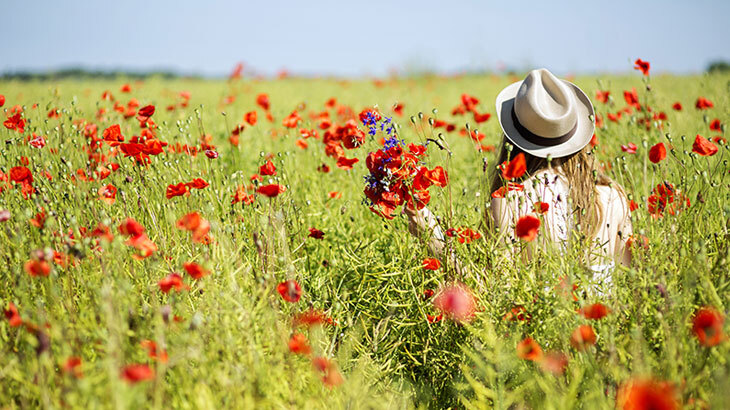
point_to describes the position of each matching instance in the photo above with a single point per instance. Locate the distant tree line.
(84, 73)
(719, 66)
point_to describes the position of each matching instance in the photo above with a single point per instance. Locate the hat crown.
(544, 105)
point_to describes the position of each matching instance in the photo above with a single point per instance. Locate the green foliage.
(229, 347)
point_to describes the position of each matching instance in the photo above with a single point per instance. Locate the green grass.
(230, 348)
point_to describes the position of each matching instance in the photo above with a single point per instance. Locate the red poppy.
(268, 168)
(457, 302)
(431, 264)
(16, 122)
(334, 195)
(170, 281)
(677, 106)
(529, 349)
(263, 101)
(271, 190)
(645, 395)
(504, 190)
(72, 366)
(583, 337)
(632, 98)
(311, 318)
(554, 362)
(2, 100)
(602, 96)
(642, 65)
(194, 270)
(541, 207)
(397, 109)
(211, 154)
(702, 146)
(135, 373)
(716, 125)
(251, 118)
(153, 352)
(434, 318)
(290, 290)
(108, 194)
(37, 268)
(595, 311)
(515, 168)
(197, 183)
(292, 120)
(298, 344)
(37, 141)
(12, 315)
(703, 103)
(176, 190)
(143, 244)
(480, 118)
(346, 163)
(517, 313)
(21, 175)
(131, 227)
(630, 148)
(324, 168)
(145, 112)
(707, 326)
(527, 227)
(316, 233)
(657, 153)
(331, 377)
(125, 88)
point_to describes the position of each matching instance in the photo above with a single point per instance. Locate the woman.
(550, 122)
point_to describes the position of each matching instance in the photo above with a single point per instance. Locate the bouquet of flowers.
(398, 175)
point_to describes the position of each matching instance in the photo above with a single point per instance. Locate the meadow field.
(163, 248)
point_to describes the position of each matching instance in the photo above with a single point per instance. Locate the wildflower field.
(228, 244)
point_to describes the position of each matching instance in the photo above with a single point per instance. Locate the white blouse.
(551, 187)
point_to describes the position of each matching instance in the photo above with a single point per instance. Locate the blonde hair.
(582, 177)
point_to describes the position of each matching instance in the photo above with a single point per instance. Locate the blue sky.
(364, 37)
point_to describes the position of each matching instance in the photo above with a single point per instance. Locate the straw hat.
(543, 115)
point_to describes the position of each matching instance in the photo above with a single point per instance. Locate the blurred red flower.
(298, 344)
(716, 125)
(457, 302)
(37, 268)
(703, 103)
(268, 168)
(176, 190)
(541, 207)
(315, 233)
(431, 264)
(646, 395)
(72, 366)
(527, 227)
(11, 314)
(135, 373)
(595, 311)
(331, 377)
(515, 168)
(290, 290)
(263, 101)
(251, 118)
(554, 362)
(602, 96)
(657, 153)
(677, 106)
(271, 190)
(108, 194)
(529, 349)
(702, 146)
(153, 352)
(583, 337)
(346, 163)
(707, 326)
(170, 281)
(642, 65)
(194, 270)
(630, 148)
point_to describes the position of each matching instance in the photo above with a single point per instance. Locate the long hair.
(581, 174)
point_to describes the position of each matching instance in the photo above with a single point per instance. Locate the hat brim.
(581, 138)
